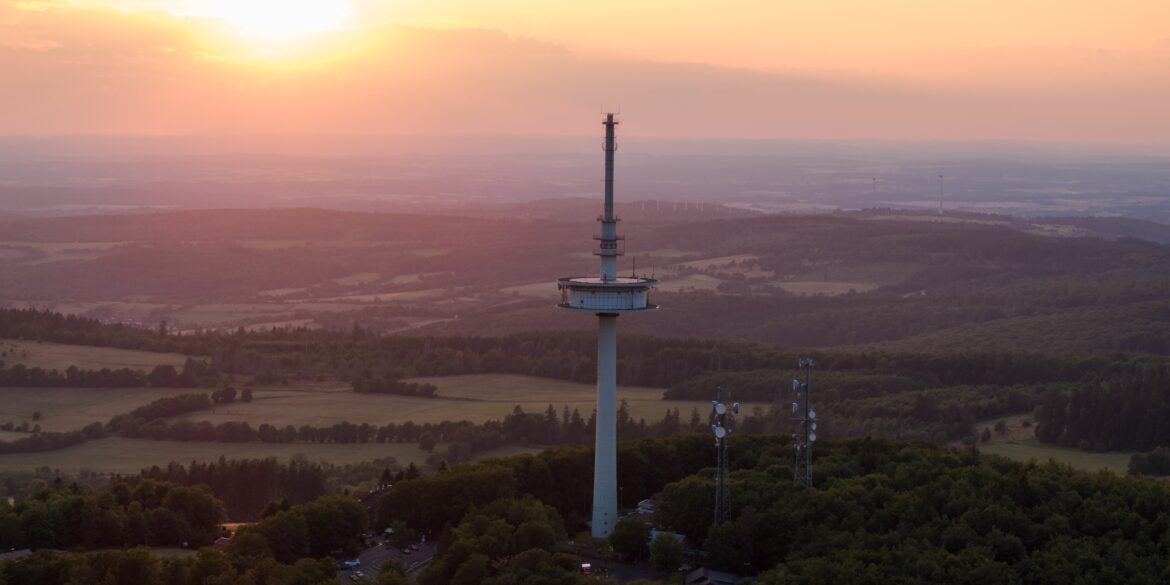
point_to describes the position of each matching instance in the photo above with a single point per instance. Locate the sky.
(1076, 71)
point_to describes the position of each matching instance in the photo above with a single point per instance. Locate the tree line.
(149, 513)
(1125, 411)
(194, 373)
(298, 546)
(130, 424)
(384, 385)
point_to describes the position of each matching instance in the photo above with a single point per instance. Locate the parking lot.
(374, 557)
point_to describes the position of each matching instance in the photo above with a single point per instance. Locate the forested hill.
(873, 279)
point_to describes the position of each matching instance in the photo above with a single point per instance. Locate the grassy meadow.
(121, 455)
(477, 398)
(58, 356)
(67, 409)
(1019, 443)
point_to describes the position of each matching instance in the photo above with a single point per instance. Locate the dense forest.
(880, 511)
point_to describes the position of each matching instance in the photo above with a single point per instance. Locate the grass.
(547, 289)
(359, 278)
(1033, 449)
(814, 287)
(67, 409)
(688, 282)
(475, 397)
(120, 455)
(720, 262)
(1019, 443)
(56, 356)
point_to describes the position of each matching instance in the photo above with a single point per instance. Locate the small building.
(703, 576)
(654, 532)
(15, 554)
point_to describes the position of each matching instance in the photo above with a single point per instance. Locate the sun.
(275, 20)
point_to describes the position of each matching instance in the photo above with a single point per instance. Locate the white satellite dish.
(812, 437)
(812, 414)
(795, 407)
(720, 408)
(720, 432)
(796, 384)
(813, 426)
(735, 408)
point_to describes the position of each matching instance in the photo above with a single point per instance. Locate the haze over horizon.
(1091, 73)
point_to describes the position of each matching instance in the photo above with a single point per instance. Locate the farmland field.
(120, 455)
(477, 398)
(57, 356)
(1033, 449)
(692, 282)
(67, 409)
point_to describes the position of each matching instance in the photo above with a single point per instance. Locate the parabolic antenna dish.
(720, 408)
(720, 432)
(812, 437)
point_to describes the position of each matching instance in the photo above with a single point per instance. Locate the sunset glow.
(904, 69)
(274, 20)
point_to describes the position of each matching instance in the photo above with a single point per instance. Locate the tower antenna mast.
(806, 419)
(722, 420)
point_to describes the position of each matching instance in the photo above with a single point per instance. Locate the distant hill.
(1117, 227)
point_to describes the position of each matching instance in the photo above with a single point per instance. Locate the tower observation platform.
(607, 295)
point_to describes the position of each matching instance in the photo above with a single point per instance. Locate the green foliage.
(326, 526)
(1125, 410)
(1155, 462)
(888, 512)
(403, 535)
(386, 385)
(507, 541)
(666, 553)
(428, 503)
(629, 538)
(153, 513)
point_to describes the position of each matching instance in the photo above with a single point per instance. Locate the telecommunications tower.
(606, 295)
(722, 419)
(806, 431)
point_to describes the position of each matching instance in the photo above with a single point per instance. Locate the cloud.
(84, 71)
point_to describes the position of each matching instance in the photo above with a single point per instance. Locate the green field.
(119, 455)
(67, 409)
(476, 398)
(58, 356)
(1020, 443)
(1033, 449)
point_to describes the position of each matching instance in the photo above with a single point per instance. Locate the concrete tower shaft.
(606, 295)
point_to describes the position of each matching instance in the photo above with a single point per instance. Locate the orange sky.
(1073, 70)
